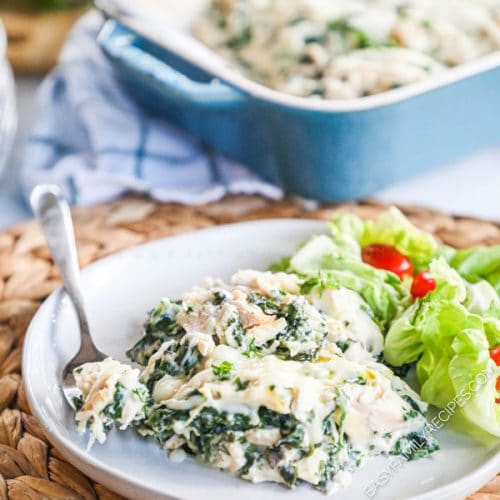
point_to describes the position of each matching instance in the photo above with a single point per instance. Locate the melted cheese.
(308, 391)
(98, 384)
(353, 323)
(336, 403)
(342, 50)
(266, 282)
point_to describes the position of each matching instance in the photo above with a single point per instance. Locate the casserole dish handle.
(120, 46)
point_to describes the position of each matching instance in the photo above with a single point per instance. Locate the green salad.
(294, 374)
(441, 314)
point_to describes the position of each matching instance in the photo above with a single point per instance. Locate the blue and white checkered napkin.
(97, 144)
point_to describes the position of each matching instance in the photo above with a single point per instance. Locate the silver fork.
(53, 214)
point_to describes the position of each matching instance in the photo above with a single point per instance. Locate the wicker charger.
(30, 468)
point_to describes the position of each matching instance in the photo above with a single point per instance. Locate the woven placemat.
(30, 468)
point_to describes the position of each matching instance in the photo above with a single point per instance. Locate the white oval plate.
(119, 290)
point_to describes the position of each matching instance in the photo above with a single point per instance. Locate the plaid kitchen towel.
(93, 141)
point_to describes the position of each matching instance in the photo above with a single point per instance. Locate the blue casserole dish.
(326, 150)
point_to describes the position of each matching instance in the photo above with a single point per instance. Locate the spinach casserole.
(286, 375)
(342, 49)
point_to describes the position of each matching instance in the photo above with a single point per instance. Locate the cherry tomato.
(422, 284)
(388, 258)
(495, 355)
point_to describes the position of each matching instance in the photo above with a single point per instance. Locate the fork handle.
(53, 214)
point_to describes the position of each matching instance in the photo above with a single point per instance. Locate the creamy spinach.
(270, 378)
(348, 49)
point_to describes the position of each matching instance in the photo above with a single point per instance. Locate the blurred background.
(36, 30)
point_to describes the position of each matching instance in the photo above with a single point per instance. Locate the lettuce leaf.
(393, 228)
(328, 265)
(403, 343)
(449, 284)
(350, 233)
(310, 258)
(339, 255)
(449, 335)
(473, 375)
(476, 264)
(381, 290)
(483, 300)
(347, 231)
(438, 333)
